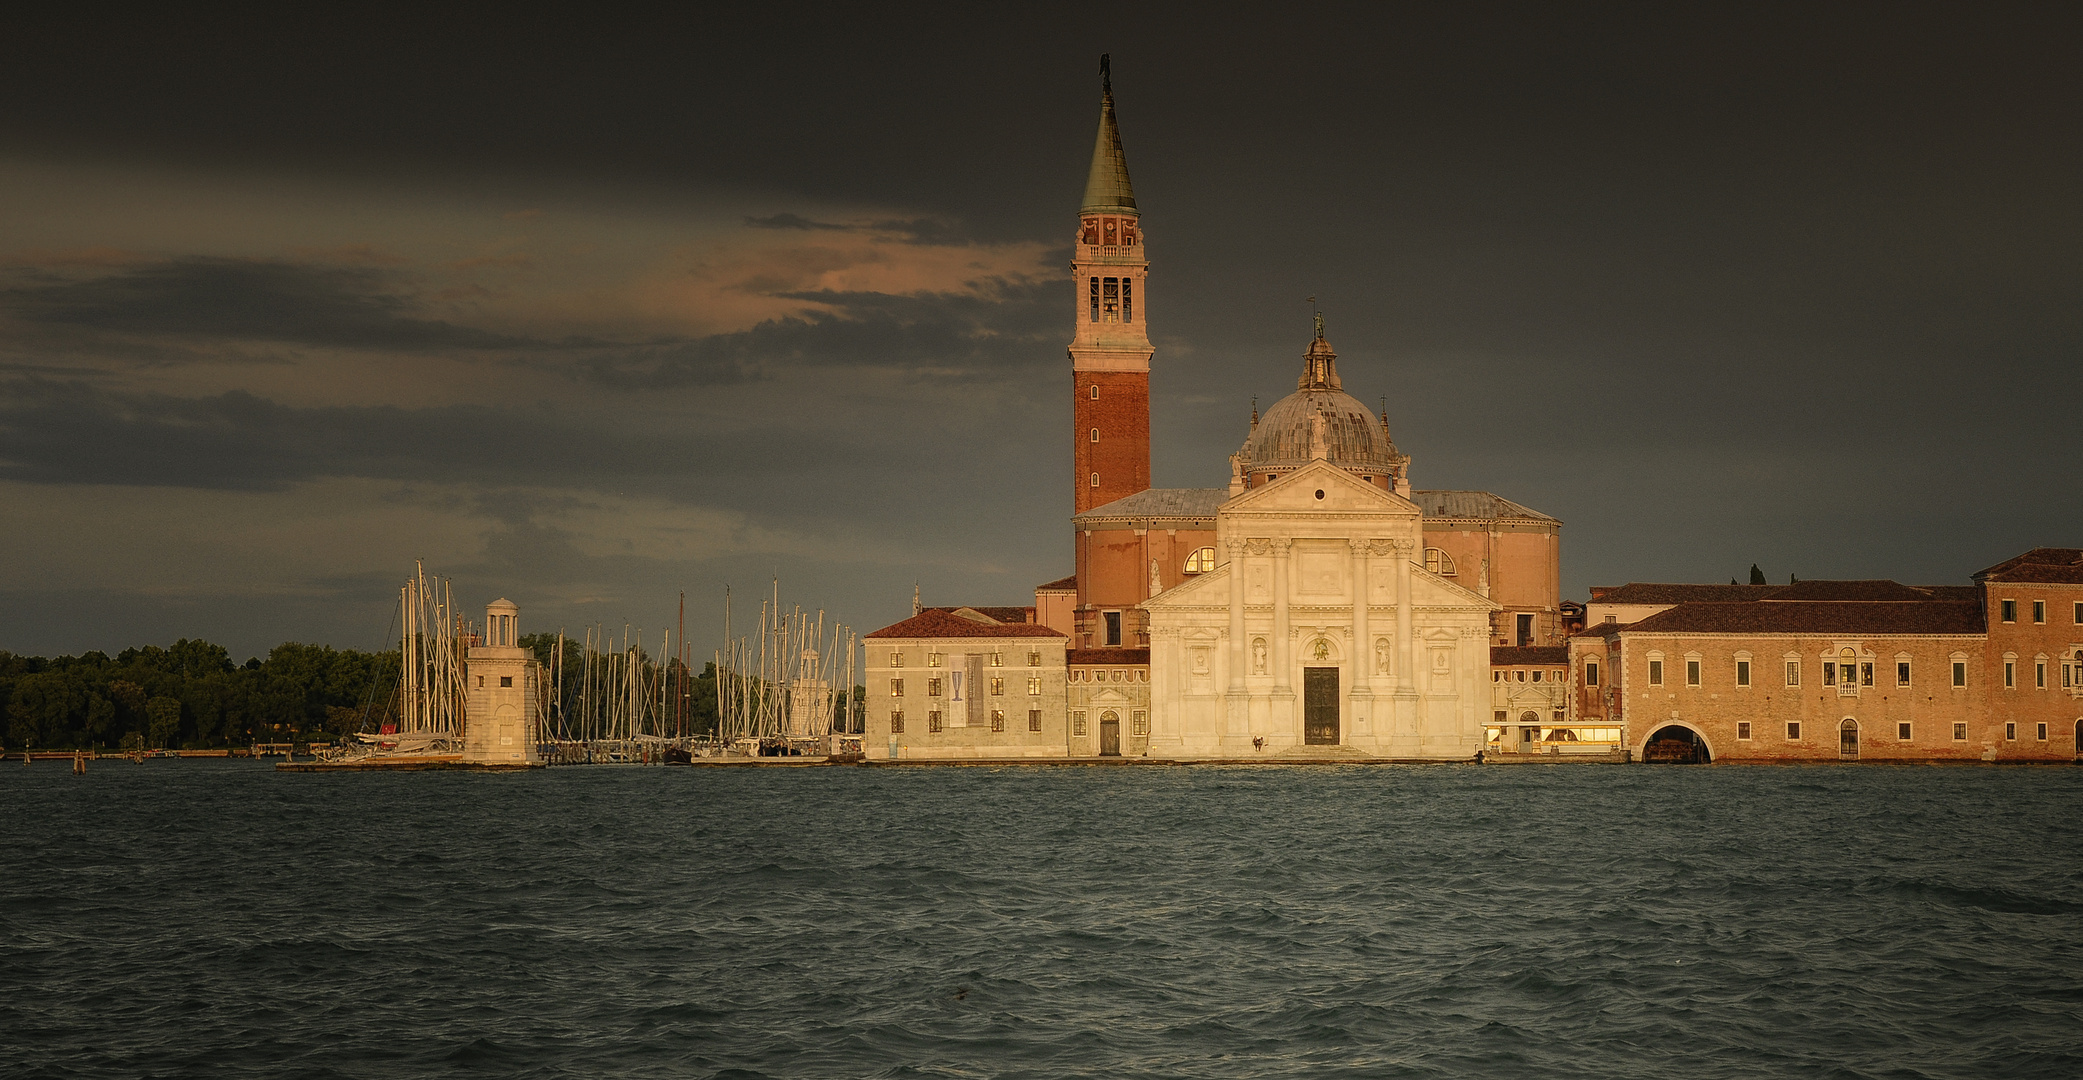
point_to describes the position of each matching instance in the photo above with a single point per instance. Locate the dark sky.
(586, 309)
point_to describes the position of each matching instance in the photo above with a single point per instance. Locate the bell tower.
(1110, 353)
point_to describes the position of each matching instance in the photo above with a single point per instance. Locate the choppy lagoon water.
(216, 919)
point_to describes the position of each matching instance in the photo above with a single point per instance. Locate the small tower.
(501, 714)
(1110, 352)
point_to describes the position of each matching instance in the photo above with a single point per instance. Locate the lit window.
(997, 659)
(997, 686)
(1033, 686)
(1865, 674)
(1590, 673)
(896, 687)
(1793, 731)
(1847, 666)
(1110, 299)
(1742, 673)
(932, 659)
(1656, 673)
(1959, 732)
(933, 720)
(1902, 732)
(1439, 562)
(2010, 610)
(2039, 611)
(1902, 673)
(1033, 658)
(1140, 724)
(1743, 730)
(1201, 561)
(997, 720)
(933, 687)
(1793, 673)
(896, 723)
(896, 659)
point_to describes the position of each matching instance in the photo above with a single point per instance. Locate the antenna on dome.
(1106, 76)
(1319, 317)
(1254, 412)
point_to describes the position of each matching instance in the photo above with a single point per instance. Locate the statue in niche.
(1258, 656)
(1381, 656)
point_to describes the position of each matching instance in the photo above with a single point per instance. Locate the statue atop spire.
(1107, 190)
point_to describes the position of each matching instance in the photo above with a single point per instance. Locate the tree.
(163, 721)
(1757, 576)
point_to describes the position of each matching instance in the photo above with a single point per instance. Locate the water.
(216, 919)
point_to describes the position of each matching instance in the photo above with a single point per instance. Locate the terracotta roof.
(1650, 592)
(1161, 503)
(1474, 504)
(1838, 591)
(2043, 566)
(1816, 617)
(1124, 657)
(1528, 655)
(1067, 584)
(1959, 594)
(1603, 629)
(940, 623)
(998, 614)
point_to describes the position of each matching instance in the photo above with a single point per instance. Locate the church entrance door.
(1320, 706)
(1109, 735)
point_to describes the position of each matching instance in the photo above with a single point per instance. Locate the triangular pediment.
(1296, 493)
(1209, 588)
(1432, 590)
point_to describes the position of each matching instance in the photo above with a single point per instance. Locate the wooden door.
(1110, 735)
(1320, 706)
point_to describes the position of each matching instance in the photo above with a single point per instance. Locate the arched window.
(1201, 561)
(1439, 562)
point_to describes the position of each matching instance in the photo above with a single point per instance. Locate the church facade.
(1318, 605)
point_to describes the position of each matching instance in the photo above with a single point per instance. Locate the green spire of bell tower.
(1107, 189)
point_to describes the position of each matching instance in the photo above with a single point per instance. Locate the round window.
(1319, 493)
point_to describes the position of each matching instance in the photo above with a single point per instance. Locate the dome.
(1320, 416)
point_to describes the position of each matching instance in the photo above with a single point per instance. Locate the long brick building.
(1842, 670)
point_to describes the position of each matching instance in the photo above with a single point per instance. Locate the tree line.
(192, 695)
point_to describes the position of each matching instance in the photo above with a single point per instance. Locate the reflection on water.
(1598, 921)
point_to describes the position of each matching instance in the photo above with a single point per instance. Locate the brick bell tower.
(1110, 356)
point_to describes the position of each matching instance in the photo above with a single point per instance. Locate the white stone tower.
(500, 718)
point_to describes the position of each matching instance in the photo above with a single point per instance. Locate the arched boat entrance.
(1676, 744)
(1848, 740)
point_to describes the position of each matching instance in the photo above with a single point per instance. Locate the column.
(1362, 639)
(1237, 661)
(1406, 636)
(1281, 548)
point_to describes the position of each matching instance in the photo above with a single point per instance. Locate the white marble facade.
(1235, 652)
